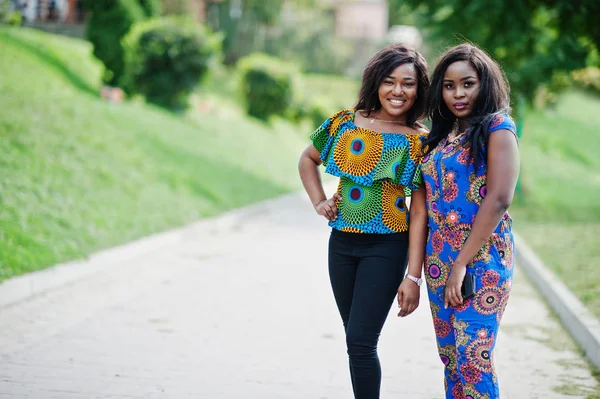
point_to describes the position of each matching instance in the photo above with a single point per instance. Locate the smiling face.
(398, 92)
(460, 88)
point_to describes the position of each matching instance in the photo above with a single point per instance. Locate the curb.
(583, 326)
(23, 287)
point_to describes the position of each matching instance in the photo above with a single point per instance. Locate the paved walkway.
(248, 313)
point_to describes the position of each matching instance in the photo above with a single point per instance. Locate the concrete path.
(248, 313)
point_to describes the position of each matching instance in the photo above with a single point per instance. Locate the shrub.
(548, 95)
(320, 109)
(587, 78)
(165, 59)
(15, 18)
(298, 111)
(109, 22)
(8, 15)
(152, 8)
(315, 109)
(268, 85)
(5, 9)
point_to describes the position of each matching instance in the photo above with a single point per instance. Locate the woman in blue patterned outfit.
(470, 171)
(375, 150)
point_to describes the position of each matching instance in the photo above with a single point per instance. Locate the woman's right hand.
(328, 207)
(409, 294)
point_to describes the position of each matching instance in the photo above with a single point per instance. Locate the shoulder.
(420, 128)
(340, 116)
(420, 132)
(334, 123)
(502, 122)
(343, 115)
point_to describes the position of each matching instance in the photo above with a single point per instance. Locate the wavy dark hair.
(380, 66)
(493, 99)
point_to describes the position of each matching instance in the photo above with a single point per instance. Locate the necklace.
(372, 120)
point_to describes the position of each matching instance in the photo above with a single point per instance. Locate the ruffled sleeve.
(400, 161)
(366, 156)
(324, 136)
(416, 152)
(417, 180)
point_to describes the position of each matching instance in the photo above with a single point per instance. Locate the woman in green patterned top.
(375, 151)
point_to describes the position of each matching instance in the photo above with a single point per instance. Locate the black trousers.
(365, 271)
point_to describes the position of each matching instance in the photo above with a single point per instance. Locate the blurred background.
(123, 118)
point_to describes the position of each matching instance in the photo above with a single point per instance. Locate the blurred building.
(66, 17)
(199, 8)
(405, 34)
(65, 11)
(363, 24)
(361, 19)
(71, 11)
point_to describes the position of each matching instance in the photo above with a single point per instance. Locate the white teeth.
(397, 102)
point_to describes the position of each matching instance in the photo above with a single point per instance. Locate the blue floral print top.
(455, 189)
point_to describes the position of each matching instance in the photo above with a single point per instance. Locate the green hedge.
(165, 59)
(587, 78)
(9, 16)
(152, 8)
(110, 21)
(268, 85)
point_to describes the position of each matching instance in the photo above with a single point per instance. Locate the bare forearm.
(416, 243)
(311, 180)
(417, 232)
(489, 215)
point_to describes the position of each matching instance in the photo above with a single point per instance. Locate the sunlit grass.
(559, 211)
(79, 174)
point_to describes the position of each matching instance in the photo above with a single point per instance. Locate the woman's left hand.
(453, 295)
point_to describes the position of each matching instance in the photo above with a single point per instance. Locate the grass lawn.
(79, 174)
(559, 215)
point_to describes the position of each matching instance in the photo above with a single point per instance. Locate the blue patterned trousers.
(466, 336)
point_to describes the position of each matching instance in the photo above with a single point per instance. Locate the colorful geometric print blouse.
(377, 172)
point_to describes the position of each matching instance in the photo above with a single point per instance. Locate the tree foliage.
(535, 41)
